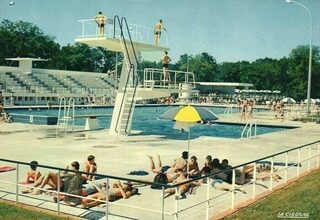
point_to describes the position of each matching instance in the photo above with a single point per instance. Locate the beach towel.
(6, 168)
(138, 173)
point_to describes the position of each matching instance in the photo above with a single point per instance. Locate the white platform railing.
(139, 33)
(153, 78)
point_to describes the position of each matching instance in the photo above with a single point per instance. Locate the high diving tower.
(131, 40)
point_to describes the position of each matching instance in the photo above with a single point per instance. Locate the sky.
(229, 30)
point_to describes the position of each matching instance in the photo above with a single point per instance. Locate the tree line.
(288, 74)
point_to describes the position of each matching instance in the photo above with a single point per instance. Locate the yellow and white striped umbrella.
(189, 114)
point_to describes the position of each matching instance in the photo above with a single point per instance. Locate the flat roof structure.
(224, 84)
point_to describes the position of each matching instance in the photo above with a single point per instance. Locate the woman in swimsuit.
(33, 175)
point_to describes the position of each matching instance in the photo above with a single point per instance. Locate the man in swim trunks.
(89, 167)
(118, 191)
(165, 65)
(180, 163)
(157, 32)
(101, 20)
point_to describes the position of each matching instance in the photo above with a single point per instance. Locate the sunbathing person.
(218, 184)
(181, 177)
(90, 167)
(118, 191)
(171, 176)
(52, 180)
(32, 175)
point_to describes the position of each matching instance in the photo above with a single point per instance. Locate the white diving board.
(113, 44)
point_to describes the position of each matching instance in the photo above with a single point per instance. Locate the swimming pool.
(145, 120)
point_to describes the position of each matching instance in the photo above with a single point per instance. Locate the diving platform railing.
(139, 33)
(153, 78)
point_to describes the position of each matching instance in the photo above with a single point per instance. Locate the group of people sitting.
(183, 170)
(74, 183)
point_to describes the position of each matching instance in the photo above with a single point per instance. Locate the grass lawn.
(9, 211)
(299, 198)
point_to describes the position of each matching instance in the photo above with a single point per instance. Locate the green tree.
(81, 57)
(298, 71)
(23, 39)
(203, 65)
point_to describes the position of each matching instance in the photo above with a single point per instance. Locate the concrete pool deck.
(25, 142)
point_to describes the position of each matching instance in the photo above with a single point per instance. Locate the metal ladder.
(129, 84)
(228, 110)
(248, 129)
(64, 115)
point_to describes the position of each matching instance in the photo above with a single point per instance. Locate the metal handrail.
(150, 72)
(134, 76)
(116, 18)
(207, 199)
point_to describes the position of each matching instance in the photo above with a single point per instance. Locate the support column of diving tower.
(128, 82)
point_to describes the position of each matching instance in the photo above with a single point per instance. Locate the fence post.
(177, 203)
(286, 168)
(162, 204)
(298, 165)
(17, 182)
(107, 199)
(233, 187)
(309, 156)
(208, 198)
(58, 192)
(254, 180)
(318, 160)
(271, 174)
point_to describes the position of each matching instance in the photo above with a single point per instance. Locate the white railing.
(290, 164)
(139, 33)
(228, 109)
(153, 78)
(248, 129)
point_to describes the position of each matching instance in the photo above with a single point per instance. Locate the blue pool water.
(145, 120)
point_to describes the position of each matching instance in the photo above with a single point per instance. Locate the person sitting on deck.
(89, 167)
(180, 163)
(117, 191)
(52, 180)
(208, 161)
(193, 167)
(32, 175)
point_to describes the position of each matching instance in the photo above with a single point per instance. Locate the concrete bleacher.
(42, 85)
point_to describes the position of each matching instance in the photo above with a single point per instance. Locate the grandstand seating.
(49, 85)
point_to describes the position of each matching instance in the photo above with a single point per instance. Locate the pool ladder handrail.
(66, 113)
(248, 128)
(228, 109)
